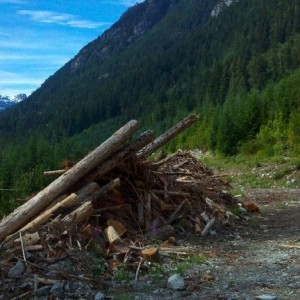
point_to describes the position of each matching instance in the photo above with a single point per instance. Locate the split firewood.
(111, 234)
(167, 136)
(118, 226)
(150, 254)
(34, 206)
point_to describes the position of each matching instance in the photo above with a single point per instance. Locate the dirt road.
(257, 259)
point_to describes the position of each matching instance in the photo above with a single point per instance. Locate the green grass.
(248, 172)
(122, 274)
(174, 267)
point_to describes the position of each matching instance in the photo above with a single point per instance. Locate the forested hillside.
(240, 70)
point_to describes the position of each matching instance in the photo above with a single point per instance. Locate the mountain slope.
(90, 83)
(234, 62)
(161, 55)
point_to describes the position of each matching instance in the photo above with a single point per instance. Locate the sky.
(37, 37)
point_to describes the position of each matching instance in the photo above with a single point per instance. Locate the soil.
(257, 258)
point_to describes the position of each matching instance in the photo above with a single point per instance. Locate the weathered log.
(105, 189)
(167, 136)
(86, 210)
(46, 215)
(35, 205)
(121, 155)
(64, 203)
(80, 214)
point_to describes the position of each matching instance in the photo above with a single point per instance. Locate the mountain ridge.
(7, 101)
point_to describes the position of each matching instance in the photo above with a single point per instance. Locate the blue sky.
(37, 37)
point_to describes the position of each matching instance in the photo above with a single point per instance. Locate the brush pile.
(115, 202)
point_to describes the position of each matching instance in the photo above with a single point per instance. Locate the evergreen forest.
(239, 71)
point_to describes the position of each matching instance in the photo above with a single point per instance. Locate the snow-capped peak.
(7, 101)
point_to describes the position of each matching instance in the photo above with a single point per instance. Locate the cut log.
(68, 202)
(167, 136)
(105, 189)
(80, 214)
(46, 215)
(111, 234)
(35, 205)
(150, 254)
(143, 140)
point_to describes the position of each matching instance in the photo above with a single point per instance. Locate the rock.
(266, 297)
(17, 270)
(43, 291)
(57, 289)
(176, 282)
(99, 296)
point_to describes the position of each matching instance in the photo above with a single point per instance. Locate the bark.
(123, 154)
(34, 206)
(80, 214)
(167, 136)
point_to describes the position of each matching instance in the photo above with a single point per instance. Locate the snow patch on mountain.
(7, 101)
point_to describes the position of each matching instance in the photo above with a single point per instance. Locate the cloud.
(126, 3)
(8, 78)
(44, 16)
(3, 33)
(21, 45)
(51, 59)
(12, 1)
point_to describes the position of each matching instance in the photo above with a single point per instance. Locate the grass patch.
(250, 172)
(122, 274)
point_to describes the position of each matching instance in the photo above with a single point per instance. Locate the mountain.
(236, 63)
(6, 101)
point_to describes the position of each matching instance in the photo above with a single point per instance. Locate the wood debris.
(117, 201)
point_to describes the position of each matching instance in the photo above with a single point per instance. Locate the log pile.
(117, 201)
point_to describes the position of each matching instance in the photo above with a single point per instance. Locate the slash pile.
(116, 202)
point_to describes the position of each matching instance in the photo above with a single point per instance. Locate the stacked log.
(118, 199)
